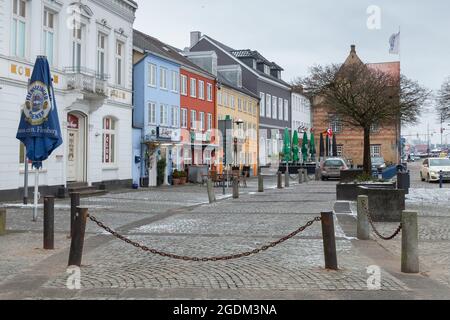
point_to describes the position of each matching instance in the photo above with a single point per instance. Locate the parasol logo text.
(37, 104)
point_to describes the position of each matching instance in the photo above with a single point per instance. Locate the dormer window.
(254, 64)
(266, 69)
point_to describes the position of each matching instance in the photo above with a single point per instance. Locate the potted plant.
(183, 177)
(176, 178)
(160, 169)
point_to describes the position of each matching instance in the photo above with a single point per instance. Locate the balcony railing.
(86, 80)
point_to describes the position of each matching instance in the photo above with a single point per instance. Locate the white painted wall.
(301, 112)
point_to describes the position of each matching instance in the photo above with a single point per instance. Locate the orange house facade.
(198, 116)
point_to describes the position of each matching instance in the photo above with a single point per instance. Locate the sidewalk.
(180, 221)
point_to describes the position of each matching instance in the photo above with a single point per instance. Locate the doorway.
(76, 147)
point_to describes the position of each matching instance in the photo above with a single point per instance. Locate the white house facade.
(301, 114)
(88, 44)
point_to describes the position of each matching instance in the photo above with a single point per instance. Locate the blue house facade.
(156, 117)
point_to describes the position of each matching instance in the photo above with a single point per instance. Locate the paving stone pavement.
(180, 221)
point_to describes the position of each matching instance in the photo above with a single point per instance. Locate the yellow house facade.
(242, 107)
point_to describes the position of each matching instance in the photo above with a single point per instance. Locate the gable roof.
(232, 52)
(148, 43)
(243, 90)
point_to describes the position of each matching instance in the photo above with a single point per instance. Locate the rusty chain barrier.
(396, 232)
(204, 259)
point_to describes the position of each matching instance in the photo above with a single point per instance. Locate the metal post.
(410, 242)
(260, 182)
(363, 227)
(235, 187)
(286, 178)
(2, 221)
(329, 241)
(74, 204)
(305, 173)
(279, 181)
(36, 194)
(300, 176)
(77, 243)
(49, 223)
(211, 194)
(440, 179)
(25, 178)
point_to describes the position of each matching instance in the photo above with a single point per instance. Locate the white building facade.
(89, 45)
(301, 114)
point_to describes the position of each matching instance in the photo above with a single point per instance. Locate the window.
(175, 81)
(274, 107)
(193, 88)
(335, 123)
(375, 150)
(119, 63)
(262, 104)
(184, 85)
(184, 118)
(152, 75)
(232, 102)
(239, 104)
(201, 89)
(193, 119)
(268, 105)
(101, 55)
(280, 108)
(49, 35)
(152, 113)
(163, 115)
(245, 105)
(266, 69)
(163, 79)
(18, 31)
(202, 121)
(225, 99)
(286, 110)
(77, 48)
(210, 92)
(209, 121)
(174, 116)
(375, 128)
(340, 150)
(109, 140)
(219, 98)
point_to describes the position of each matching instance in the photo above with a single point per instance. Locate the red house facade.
(198, 117)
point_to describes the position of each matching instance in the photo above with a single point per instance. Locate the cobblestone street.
(180, 221)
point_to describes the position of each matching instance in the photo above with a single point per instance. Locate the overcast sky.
(297, 34)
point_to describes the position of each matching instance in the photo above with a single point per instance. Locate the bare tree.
(443, 101)
(364, 97)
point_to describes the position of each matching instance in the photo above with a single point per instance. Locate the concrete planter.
(350, 175)
(350, 192)
(385, 205)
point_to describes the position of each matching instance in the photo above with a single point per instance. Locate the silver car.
(331, 168)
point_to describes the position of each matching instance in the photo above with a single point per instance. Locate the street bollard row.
(279, 180)
(77, 241)
(260, 183)
(49, 223)
(286, 179)
(410, 234)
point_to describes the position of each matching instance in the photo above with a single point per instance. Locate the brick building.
(384, 139)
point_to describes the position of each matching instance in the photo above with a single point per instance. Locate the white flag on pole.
(394, 43)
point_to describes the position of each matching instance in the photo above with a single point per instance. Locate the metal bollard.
(2, 221)
(300, 176)
(410, 242)
(211, 194)
(235, 188)
(329, 241)
(74, 204)
(317, 174)
(280, 183)
(363, 227)
(305, 174)
(49, 223)
(441, 177)
(77, 243)
(260, 183)
(286, 179)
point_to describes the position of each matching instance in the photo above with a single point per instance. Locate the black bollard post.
(77, 243)
(440, 179)
(235, 187)
(286, 178)
(329, 241)
(260, 183)
(2, 221)
(74, 204)
(49, 223)
(300, 176)
(279, 182)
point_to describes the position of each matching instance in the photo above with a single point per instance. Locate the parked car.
(431, 168)
(378, 162)
(331, 168)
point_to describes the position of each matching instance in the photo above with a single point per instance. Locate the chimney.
(195, 37)
(353, 48)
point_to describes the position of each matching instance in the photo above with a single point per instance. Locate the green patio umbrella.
(305, 147)
(295, 148)
(287, 145)
(312, 147)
